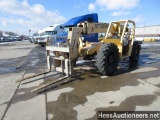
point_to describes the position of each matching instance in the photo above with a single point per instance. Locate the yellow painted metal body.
(117, 32)
(90, 48)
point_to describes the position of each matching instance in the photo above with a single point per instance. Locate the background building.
(148, 31)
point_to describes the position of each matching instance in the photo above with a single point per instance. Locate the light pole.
(30, 32)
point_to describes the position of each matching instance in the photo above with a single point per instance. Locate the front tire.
(107, 59)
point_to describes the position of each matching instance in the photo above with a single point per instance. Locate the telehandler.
(119, 43)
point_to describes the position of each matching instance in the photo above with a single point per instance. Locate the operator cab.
(122, 34)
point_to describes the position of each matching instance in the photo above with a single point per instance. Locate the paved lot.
(133, 87)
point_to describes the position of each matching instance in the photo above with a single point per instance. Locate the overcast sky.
(21, 15)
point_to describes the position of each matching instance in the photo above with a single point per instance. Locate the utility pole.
(30, 32)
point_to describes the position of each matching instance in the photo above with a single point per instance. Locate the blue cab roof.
(88, 17)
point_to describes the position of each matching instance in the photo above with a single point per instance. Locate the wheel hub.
(111, 59)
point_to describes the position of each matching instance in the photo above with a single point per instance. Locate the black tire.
(107, 59)
(135, 52)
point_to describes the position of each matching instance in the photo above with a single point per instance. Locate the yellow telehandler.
(119, 43)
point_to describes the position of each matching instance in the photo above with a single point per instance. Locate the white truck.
(49, 31)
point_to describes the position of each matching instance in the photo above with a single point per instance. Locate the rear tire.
(107, 59)
(135, 52)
